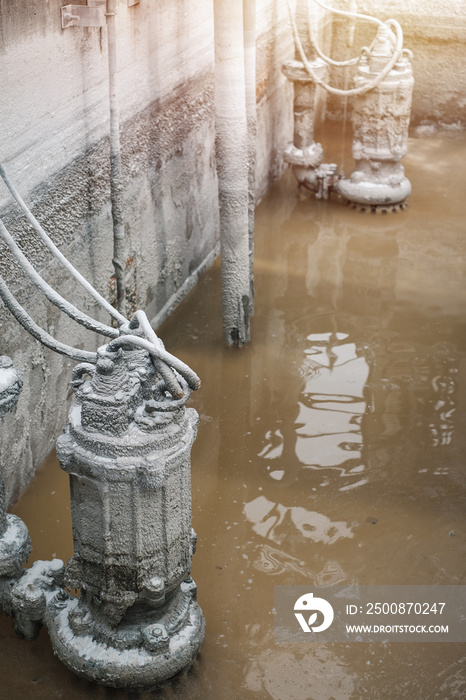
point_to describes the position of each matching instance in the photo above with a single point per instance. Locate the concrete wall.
(54, 145)
(274, 92)
(435, 31)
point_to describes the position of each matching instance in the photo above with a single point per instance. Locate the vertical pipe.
(116, 175)
(232, 169)
(3, 522)
(302, 22)
(249, 27)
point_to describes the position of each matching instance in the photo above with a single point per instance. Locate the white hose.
(363, 88)
(347, 13)
(37, 332)
(58, 254)
(50, 293)
(318, 50)
(191, 377)
(166, 364)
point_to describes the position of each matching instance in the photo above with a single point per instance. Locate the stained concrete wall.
(274, 93)
(54, 144)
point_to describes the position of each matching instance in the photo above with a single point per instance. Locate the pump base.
(373, 194)
(137, 656)
(378, 208)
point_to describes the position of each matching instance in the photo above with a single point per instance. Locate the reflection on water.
(331, 406)
(443, 407)
(331, 450)
(275, 522)
(273, 562)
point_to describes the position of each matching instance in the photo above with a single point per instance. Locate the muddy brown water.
(330, 450)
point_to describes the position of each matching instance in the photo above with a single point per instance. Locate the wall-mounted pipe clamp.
(91, 15)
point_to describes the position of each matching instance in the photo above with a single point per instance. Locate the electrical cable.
(166, 364)
(318, 50)
(363, 88)
(348, 13)
(58, 254)
(191, 377)
(50, 293)
(169, 378)
(37, 332)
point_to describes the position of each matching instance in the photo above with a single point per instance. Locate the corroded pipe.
(116, 169)
(232, 170)
(249, 28)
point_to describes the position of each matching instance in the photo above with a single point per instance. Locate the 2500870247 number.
(404, 608)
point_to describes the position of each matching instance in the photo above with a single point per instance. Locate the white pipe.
(249, 29)
(347, 13)
(232, 169)
(116, 171)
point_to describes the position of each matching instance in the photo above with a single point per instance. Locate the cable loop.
(177, 377)
(361, 90)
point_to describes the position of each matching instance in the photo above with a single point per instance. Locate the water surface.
(330, 450)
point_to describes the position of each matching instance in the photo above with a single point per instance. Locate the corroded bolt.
(105, 365)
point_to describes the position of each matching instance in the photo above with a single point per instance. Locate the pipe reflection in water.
(274, 521)
(359, 345)
(332, 405)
